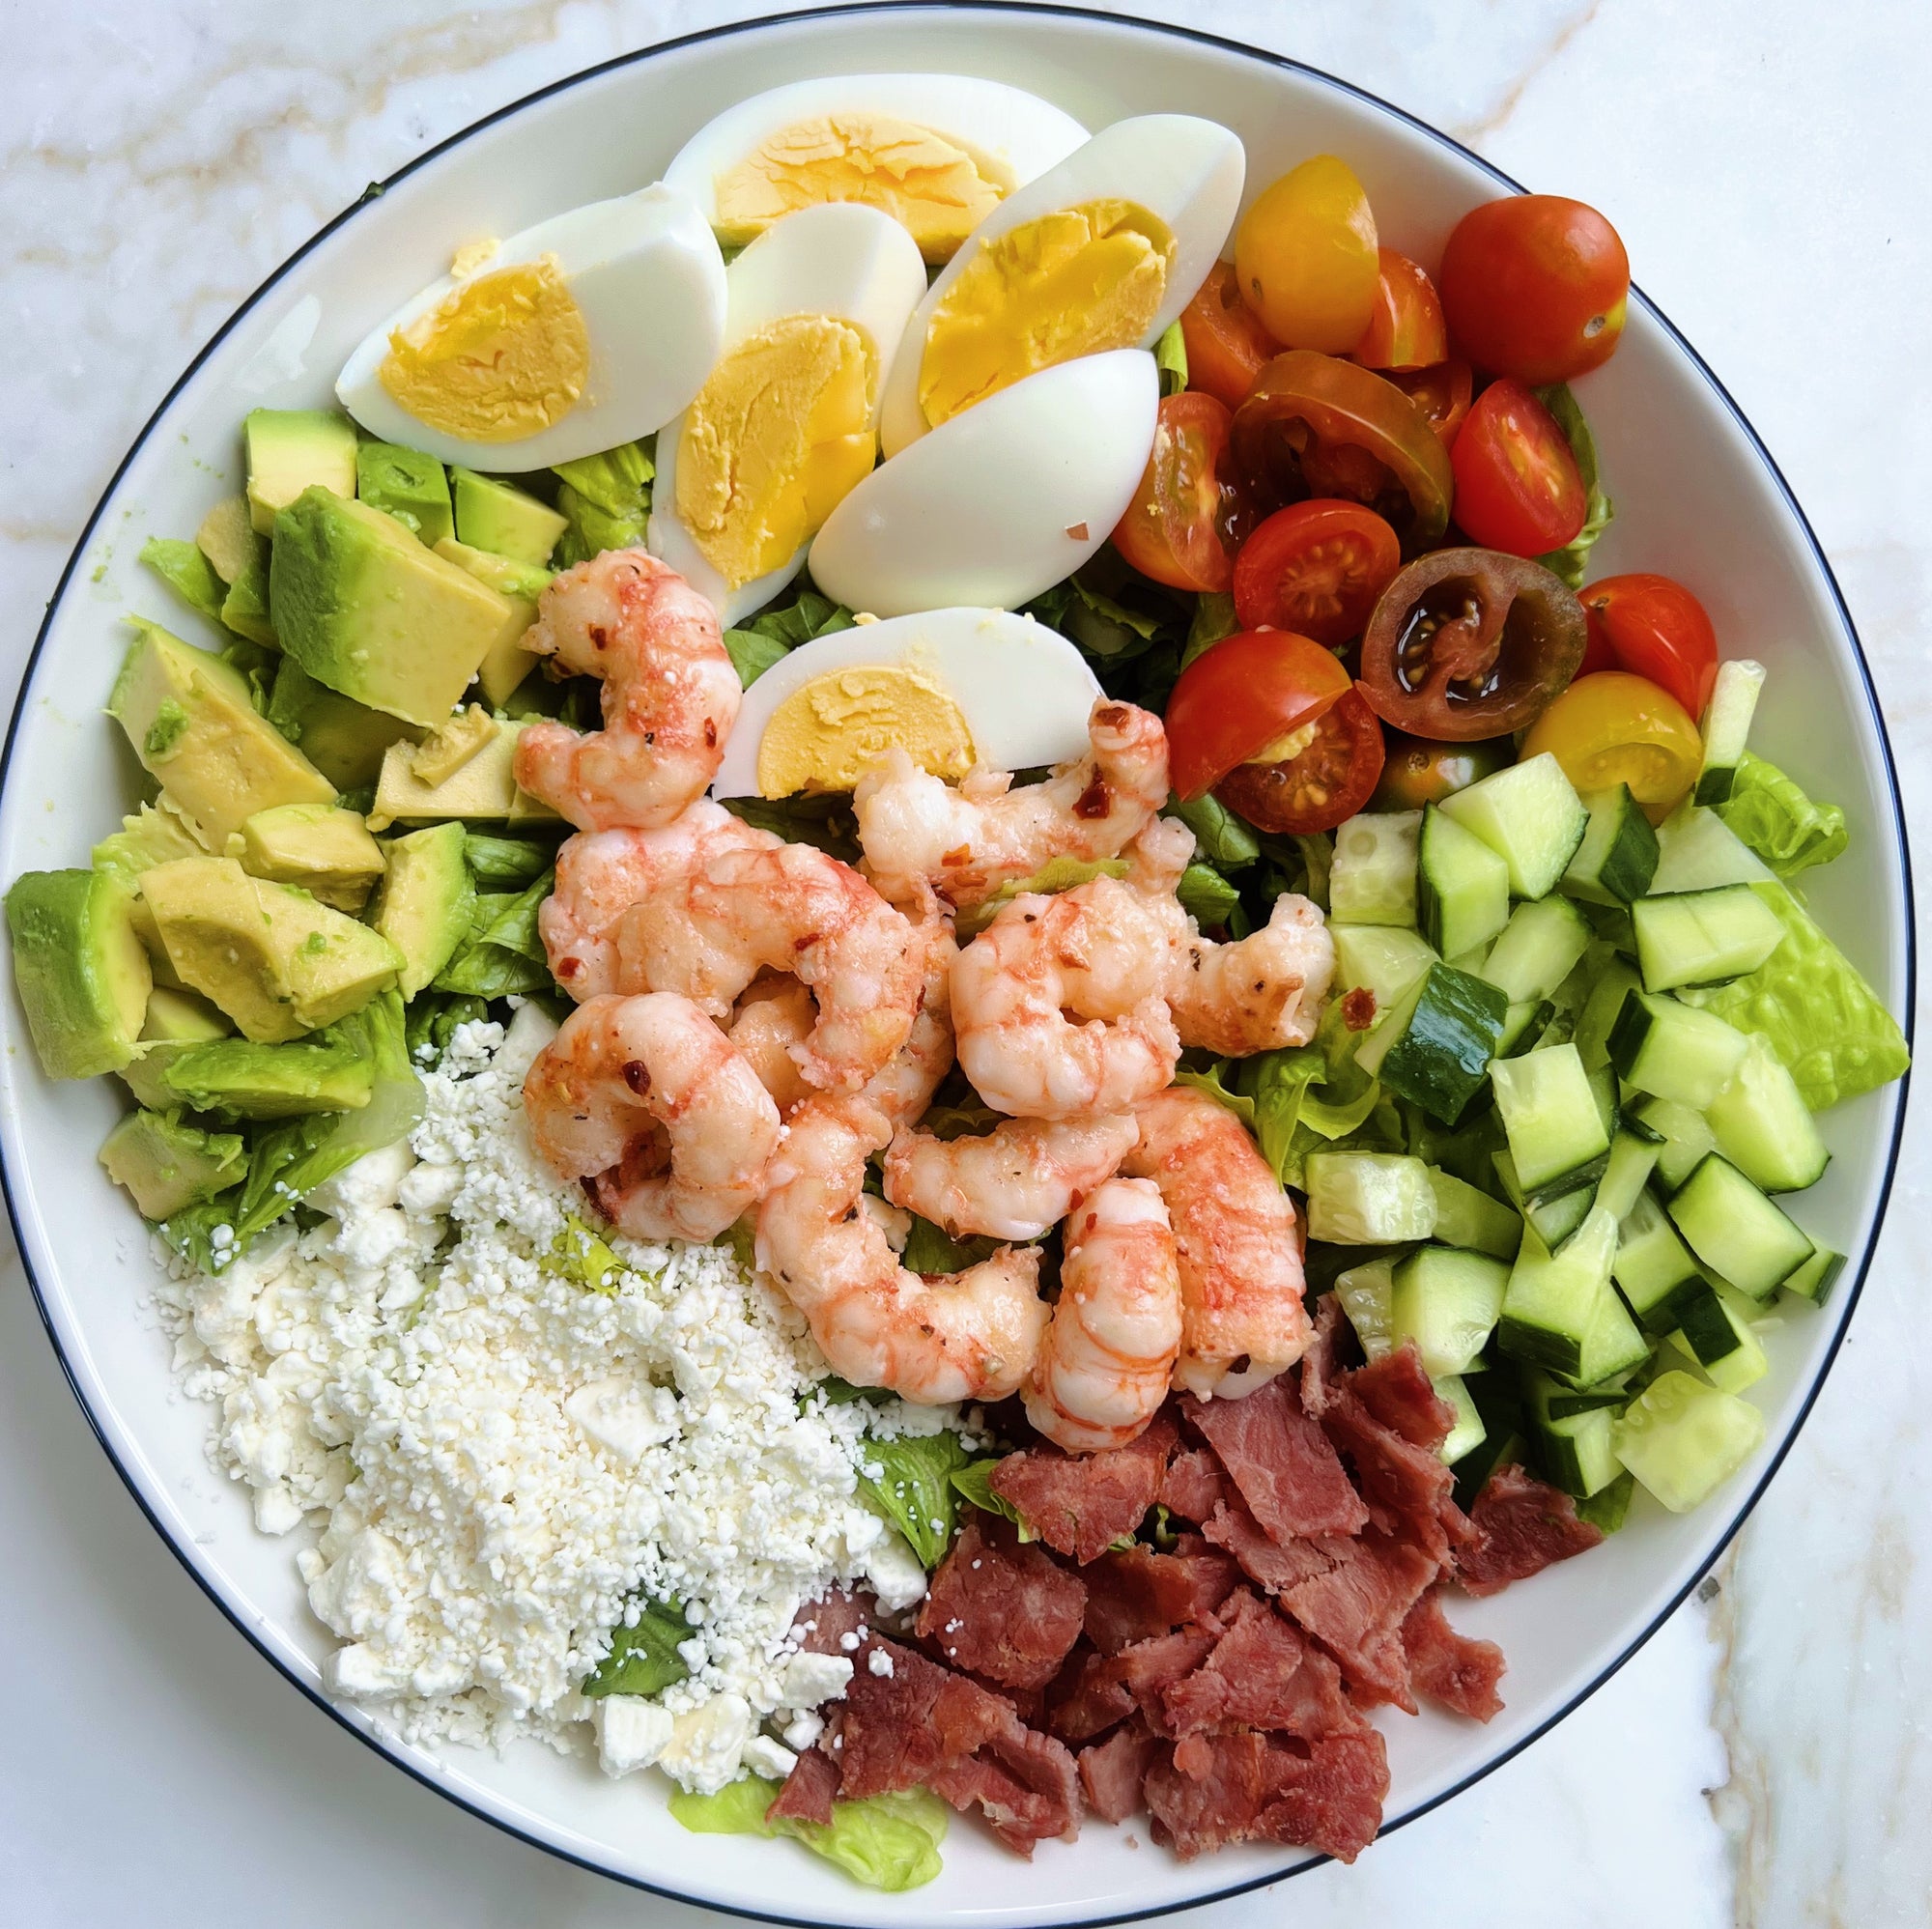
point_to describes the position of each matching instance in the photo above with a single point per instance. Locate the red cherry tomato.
(1651, 627)
(1171, 529)
(1227, 344)
(1442, 394)
(1316, 568)
(1406, 329)
(1517, 488)
(1322, 785)
(1535, 286)
(1247, 693)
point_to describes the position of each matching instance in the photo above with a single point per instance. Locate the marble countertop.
(1765, 1760)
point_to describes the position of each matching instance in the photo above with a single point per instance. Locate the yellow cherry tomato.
(1614, 729)
(1306, 259)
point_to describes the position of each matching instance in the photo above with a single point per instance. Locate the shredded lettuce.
(1774, 817)
(886, 1841)
(643, 1656)
(1571, 562)
(1170, 356)
(1057, 874)
(1220, 838)
(1205, 895)
(604, 500)
(974, 1483)
(913, 1489)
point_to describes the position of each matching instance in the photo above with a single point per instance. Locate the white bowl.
(1697, 495)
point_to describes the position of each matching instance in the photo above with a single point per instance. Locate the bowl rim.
(1052, 9)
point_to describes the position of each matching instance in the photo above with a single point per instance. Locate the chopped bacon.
(1262, 1674)
(1214, 1789)
(821, 1625)
(1408, 1490)
(1322, 1360)
(1520, 1527)
(1000, 1608)
(1111, 1771)
(1333, 1800)
(808, 1789)
(1109, 1687)
(1195, 1483)
(1134, 1593)
(1026, 1785)
(1448, 1668)
(1080, 1504)
(1266, 1562)
(1356, 1609)
(1398, 1393)
(897, 1730)
(1288, 1472)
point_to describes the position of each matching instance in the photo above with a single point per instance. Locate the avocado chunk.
(192, 723)
(166, 1163)
(154, 835)
(187, 573)
(328, 1071)
(325, 849)
(503, 670)
(426, 901)
(176, 1021)
(271, 957)
(408, 485)
(452, 744)
(345, 740)
(227, 538)
(81, 972)
(483, 788)
(293, 449)
(367, 610)
(497, 516)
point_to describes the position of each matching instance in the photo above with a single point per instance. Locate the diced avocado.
(177, 1022)
(452, 744)
(245, 608)
(236, 1078)
(485, 788)
(154, 834)
(367, 610)
(293, 449)
(325, 849)
(408, 485)
(81, 972)
(497, 516)
(345, 740)
(271, 957)
(502, 671)
(191, 723)
(227, 537)
(187, 573)
(426, 901)
(167, 1165)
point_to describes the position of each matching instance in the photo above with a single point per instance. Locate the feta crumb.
(368, 1185)
(849, 1642)
(802, 1731)
(880, 1663)
(765, 1757)
(811, 1679)
(631, 1732)
(894, 1222)
(897, 1574)
(707, 1744)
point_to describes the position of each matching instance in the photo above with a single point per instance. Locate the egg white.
(646, 274)
(841, 260)
(1001, 503)
(1025, 691)
(1185, 170)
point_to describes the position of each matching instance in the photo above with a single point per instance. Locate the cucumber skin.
(1442, 1059)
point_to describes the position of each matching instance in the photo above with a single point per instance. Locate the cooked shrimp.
(769, 1023)
(671, 695)
(1013, 1183)
(1242, 1320)
(600, 874)
(647, 1102)
(1096, 951)
(1261, 991)
(789, 909)
(965, 843)
(1103, 1366)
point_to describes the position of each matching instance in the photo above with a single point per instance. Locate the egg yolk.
(825, 733)
(933, 185)
(502, 356)
(1072, 283)
(779, 434)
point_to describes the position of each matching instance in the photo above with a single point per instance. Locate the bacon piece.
(821, 1624)
(1448, 1668)
(1111, 1771)
(898, 1730)
(1356, 1609)
(1288, 1472)
(1261, 1674)
(1323, 1360)
(1398, 1393)
(1026, 1785)
(1195, 1483)
(1520, 1527)
(808, 1789)
(1001, 1609)
(1211, 1790)
(1080, 1504)
(1135, 1594)
(1333, 1801)
(1411, 1492)
(1266, 1562)
(1109, 1687)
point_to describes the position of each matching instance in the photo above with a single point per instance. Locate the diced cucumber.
(1468, 1432)
(1684, 1138)
(1763, 1126)
(1523, 1027)
(1441, 1054)
(1388, 1028)
(1707, 1332)
(1696, 850)
(1743, 1363)
(1653, 1267)
(1618, 855)
(1553, 1300)
(1528, 813)
(1461, 886)
(1373, 881)
(1573, 1448)
(1469, 1218)
(1537, 948)
(1366, 1293)
(1727, 726)
(1736, 1231)
(1632, 1161)
(1368, 1199)
(1614, 1346)
(1604, 1089)
(1683, 1439)
(1379, 958)
(1556, 1136)
(1554, 1219)
(1703, 937)
(1673, 1050)
(1816, 1277)
(1448, 1303)
(1607, 1508)
(1599, 1015)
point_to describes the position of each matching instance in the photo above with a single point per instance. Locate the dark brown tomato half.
(1471, 643)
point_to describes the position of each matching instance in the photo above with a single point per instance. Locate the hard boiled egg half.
(954, 688)
(937, 152)
(786, 423)
(1101, 252)
(589, 329)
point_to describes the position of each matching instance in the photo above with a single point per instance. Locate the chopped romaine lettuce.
(1573, 560)
(1057, 874)
(1220, 838)
(913, 1489)
(1205, 895)
(1170, 356)
(1776, 818)
(604, 500)
(643, 1656)
(974, 1483)
(886, 1841)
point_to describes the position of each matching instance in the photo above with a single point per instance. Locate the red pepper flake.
(1358, 1008)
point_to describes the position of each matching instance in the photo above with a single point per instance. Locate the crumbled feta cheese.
(896, 1573)
(707, 1744)
(802, 1730)
(625, 1415)
(429, 1188)
(894, 1222)
(765, 1757)
(631, 1732)
(368, 1185)
(811, 1679)
(880, 1663)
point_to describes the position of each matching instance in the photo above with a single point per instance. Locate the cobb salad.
(921, 1002)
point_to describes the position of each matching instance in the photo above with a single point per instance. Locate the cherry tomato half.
(1245, 695)
(1316, 425)
(1406, 329)
(1418, 772)
(1442, 393)
(1316, 568)
(1616, 728)
(1466, 644)
(1227, 345)
(1306, 256)
(1535, 286)
(1322, 785)
(1172, 528)
(1518, 486)
(1652, 627)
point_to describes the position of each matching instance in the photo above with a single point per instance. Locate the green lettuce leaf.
(1571, 561)
(1170, 356)
(886, 1841)
(738, 1808)
(606, 503)
(644, 1658)
(974, 1483)
(1205, 895)
(505, 863)
(1219, 836)
(188, 573)
(1057, 874)
(753, 654)
(1212, 1082)
(503, 953)
(931, 1249)
(435, 1015)
(1214, 621)
(913, 1489)
(825, 821)
(755, 647)
(1774, 817)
